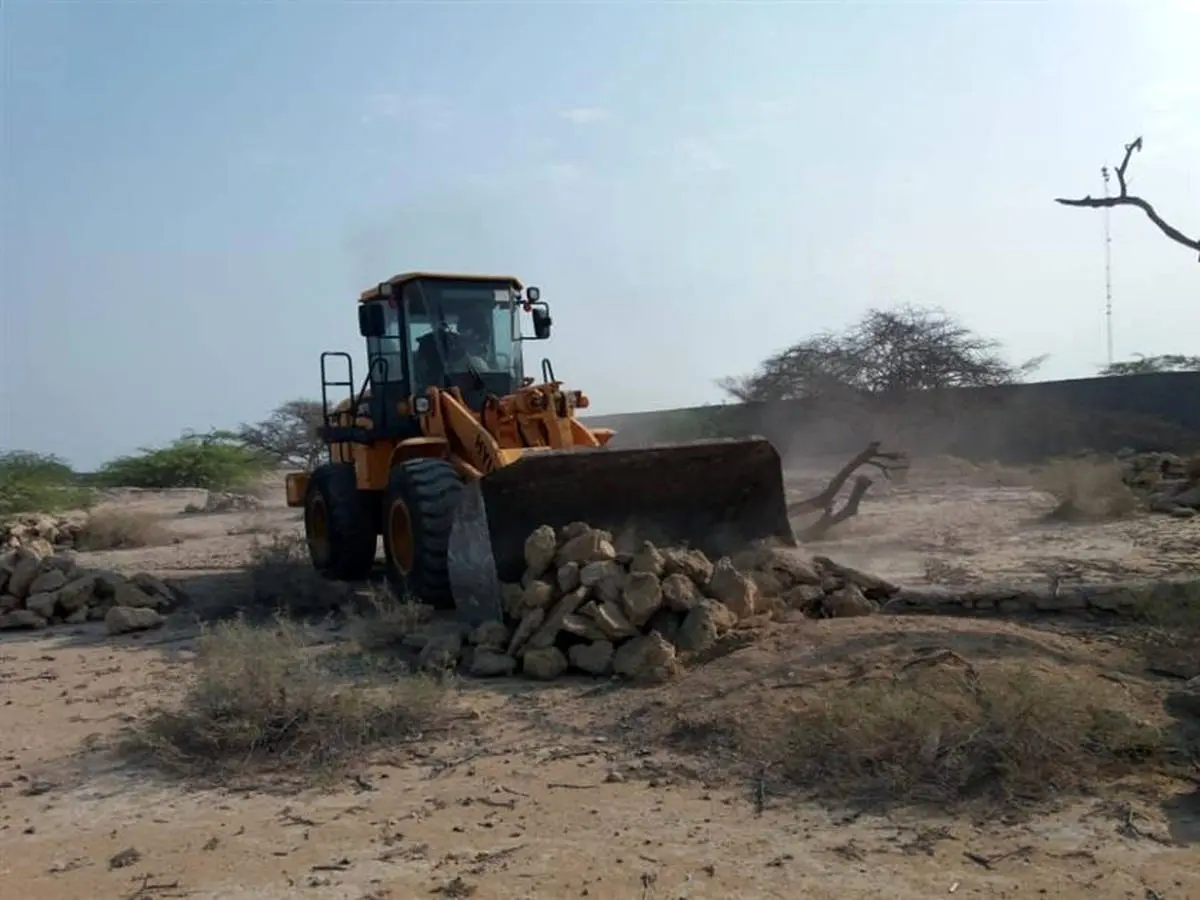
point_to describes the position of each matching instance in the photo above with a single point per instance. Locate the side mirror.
(541, 323)
(370, 320)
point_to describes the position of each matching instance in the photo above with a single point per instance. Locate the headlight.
(532, 294)
(421, 405)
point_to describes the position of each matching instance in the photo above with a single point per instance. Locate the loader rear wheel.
(339, 524)
(418, 508)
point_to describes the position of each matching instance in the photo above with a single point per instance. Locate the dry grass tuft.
(389, 620)
(947, 735)
(283, 580)
(261, 698)
(1086, 490)
(117, 529)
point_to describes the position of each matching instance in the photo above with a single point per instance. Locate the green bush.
(214, 461)
(38, 482)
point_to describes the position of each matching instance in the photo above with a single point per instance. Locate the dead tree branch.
(824, 502)
(1124, 198)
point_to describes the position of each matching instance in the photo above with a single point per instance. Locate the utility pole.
(1108, 323)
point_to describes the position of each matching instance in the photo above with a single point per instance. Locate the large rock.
(707, 621)
(546, 634)
(610, 619)
(848, 601)
(679, 592)
(530, 622)
(646, 657)
(545, 664)
(130, 595)
(590, 546)
(44, 604)
(486, 663)
(124, 619)
(540, 548)
(595, 658)
(568, 577)
(167, 597)
(648, 559)
(692, 563)
(537, 595)
(582, 626)
(21, 619)
(489, 636)
(642, 597)
(733, 589)
(25, 568)
(605, 578)
(48, 581)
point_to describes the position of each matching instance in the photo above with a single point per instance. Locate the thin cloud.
(584, 115)
(700, 156)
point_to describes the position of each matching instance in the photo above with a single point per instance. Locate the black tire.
(425, 491)
(339, 523)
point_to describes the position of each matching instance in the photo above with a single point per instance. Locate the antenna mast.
(1108, 329)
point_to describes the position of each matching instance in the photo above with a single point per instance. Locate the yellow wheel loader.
(452, 454)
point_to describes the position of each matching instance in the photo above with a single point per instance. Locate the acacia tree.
(906, 348)
(1150, 365)
(289, 434)
(1124, 198)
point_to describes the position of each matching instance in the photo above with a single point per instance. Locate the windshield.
(471, 327)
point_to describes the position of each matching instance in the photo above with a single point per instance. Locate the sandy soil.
(561, 790)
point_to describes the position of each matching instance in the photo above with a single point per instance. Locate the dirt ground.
(564, 790)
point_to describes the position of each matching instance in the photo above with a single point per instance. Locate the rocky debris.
(1128, 599)
(124, 619)
(39, 590)
(642, 612)
(1168, 483)
(40, 532)
(224, 502)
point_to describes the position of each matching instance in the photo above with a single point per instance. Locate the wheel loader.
(453, 455)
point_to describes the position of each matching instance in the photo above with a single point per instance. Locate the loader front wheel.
(339, 524)
(418, 508)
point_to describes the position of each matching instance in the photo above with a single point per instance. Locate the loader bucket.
(714, 495)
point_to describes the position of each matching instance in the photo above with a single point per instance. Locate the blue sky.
(194, 193)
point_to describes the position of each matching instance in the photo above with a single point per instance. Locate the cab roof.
(398, 281)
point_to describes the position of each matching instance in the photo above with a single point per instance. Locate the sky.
(194, 193)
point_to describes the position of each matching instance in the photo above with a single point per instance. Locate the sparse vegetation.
(947, 735)
(260, 697)
(942, 733)
(888, 351)
(283, 580)
(39, 482)
(121, 529)
(289, 435)
(216, 461)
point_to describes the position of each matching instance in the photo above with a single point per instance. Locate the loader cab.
(444, 331)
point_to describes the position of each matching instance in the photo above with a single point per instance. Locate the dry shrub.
(1086, 490)
(388, 620)
(118, 529)
(283, 579)
(261, 697)
(943, 735)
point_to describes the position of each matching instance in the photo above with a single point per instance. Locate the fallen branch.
(1124, 198)
(885, 462)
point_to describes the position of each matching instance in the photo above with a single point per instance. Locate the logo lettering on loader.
(484, 453)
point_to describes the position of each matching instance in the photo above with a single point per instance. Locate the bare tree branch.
(885, 462)
(1124, 198)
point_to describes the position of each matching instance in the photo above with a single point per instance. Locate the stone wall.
(1014, 423)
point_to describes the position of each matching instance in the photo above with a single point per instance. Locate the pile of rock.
(38, 590)
(582, 605)
(1170, 483)
(40, 532)
(225, 501)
